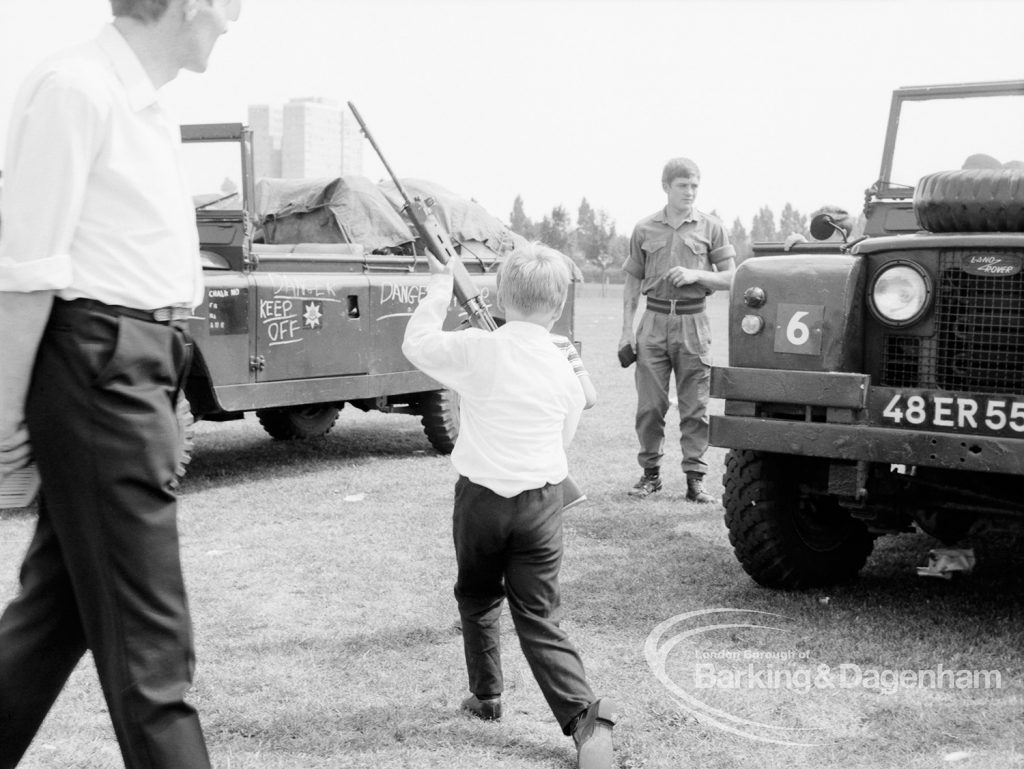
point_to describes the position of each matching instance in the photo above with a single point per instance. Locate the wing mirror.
(828, 220)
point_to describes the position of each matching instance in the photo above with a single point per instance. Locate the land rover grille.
(978, 339)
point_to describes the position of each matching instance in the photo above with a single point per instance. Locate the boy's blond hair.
(534, 279)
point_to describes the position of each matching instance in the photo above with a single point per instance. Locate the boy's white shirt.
(520, 399)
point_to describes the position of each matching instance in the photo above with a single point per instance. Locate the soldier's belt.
(676, 306)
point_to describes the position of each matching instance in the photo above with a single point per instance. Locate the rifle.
(437, 240)
(440, 245)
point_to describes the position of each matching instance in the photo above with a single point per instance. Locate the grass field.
(320, 577)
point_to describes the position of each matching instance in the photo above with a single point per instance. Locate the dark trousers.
(103, 571)
(513, 547)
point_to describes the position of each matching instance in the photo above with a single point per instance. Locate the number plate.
(798, 328)
(948, 412)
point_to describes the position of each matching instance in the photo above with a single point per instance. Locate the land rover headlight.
(899, 293)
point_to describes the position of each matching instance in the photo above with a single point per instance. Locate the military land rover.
(876, 383)
(308, 287)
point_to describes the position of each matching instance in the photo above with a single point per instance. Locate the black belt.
(676, 306)
(165, 315)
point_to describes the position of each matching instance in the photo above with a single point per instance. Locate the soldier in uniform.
(677, 256)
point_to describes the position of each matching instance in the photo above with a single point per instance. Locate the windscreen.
(214, 172)
(954, 133)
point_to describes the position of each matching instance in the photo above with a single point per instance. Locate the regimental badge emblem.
(312, 314)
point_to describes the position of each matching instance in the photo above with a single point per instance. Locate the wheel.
(288, 423)
(439, 414)
(971, 200)
(784, 535)
(186, 437)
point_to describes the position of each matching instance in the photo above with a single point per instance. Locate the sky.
(555, 100)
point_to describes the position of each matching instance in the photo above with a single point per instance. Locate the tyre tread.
(971, 200)
(439, 415)
(765, 543)
(282, 424)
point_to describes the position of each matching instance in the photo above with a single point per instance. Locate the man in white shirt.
(520, 404)
(99, 267)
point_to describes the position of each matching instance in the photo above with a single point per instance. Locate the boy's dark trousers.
(513, 547)
(103, 570)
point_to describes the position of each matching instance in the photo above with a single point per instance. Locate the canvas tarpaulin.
(352, 209)
(462, 219)
(349, 209)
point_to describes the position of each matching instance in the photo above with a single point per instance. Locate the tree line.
(594, 243)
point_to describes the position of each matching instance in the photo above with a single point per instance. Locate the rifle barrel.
(373, 143)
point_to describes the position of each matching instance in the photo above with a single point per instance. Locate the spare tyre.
(971, 200)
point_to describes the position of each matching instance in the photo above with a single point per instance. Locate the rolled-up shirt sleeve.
(721, 248)
(54, 139)
(635, 263)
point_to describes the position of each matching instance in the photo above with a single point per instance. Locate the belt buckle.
(671, 306)
(172, 313)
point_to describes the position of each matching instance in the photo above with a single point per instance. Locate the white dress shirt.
(95, 200)
(520, 400)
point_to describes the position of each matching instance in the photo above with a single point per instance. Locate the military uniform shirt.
(655, 247)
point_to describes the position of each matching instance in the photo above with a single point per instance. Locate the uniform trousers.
(669, 345)
(513, 547)
(102, 571)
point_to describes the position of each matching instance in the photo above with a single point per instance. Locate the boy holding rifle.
(520, 406)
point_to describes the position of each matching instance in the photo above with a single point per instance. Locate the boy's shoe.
(647, 485)
(487, 710)
(593, 735)
(695, 490)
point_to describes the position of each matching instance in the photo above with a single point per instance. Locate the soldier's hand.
(681, 276)
(629, 339)
(792, 240)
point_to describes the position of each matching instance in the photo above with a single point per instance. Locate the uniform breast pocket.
(654, 247)
(699, 249)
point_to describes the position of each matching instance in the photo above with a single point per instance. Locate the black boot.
(695, 490)
(649, 483)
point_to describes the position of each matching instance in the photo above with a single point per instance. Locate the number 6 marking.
(796, 331)
(799, 329)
